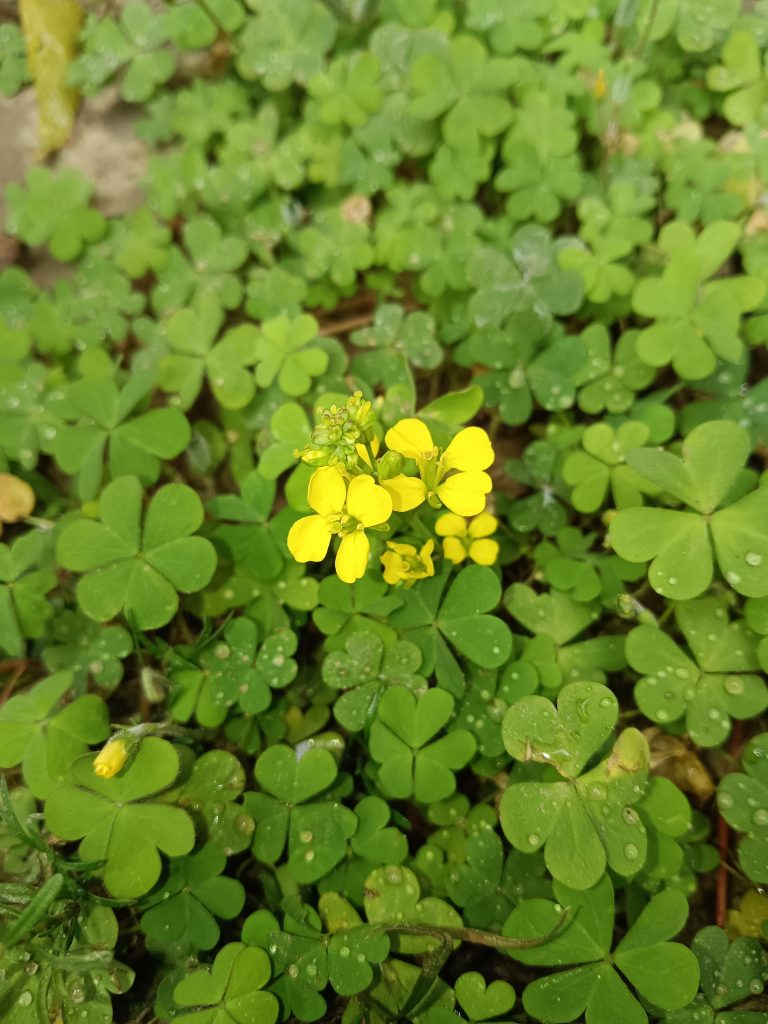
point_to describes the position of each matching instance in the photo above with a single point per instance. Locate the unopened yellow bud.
(600, 87)
(111, 758)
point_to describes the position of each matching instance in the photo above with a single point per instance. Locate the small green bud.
(390, 465)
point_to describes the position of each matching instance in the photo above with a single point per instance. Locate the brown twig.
(17, 668)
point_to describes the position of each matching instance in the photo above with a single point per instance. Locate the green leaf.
(118, 822)
(230, 990)
(122, 573)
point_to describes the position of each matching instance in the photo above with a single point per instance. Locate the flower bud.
(111, 758)
(390, 465)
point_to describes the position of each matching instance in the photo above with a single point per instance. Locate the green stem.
(419, 527)
(476, 936)
(371, 456)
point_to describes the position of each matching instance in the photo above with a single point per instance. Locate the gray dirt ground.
(103, 146)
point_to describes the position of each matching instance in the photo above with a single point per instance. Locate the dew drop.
(630, 851)
(753, 558)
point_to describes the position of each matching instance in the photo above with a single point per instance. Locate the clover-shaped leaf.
(117, 820)
(180, 919)
(602, 465)
(87, 650)
(486, 884)
(730, 972)
(743, 78)
(353, 947)
(105, 415)
(45, 735)
(285, 42)
(134, 570)
(199, 352)
(721, 684)
(461, 618)
(24, 608)
(742, 799)
(285, 355)
(483, 1002)
(364, 670)
(664, 973)
(392, 897)
(696, 322)
(210, 794)
(230, 991)
(467, 86)
(587, 821)
(316, 830)
(226, 675)
(612, 374)
(393, 331)
(53, 210)
(136, 43)
(411, 765)
(679, 543)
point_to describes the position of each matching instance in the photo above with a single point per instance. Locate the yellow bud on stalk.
(111, 758)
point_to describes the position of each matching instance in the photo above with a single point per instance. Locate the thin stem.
(645, 38)
(419, 527)
(476, 936)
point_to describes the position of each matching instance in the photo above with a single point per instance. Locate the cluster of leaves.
(485, 783)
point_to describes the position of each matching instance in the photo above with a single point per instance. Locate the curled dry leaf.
(673, 759)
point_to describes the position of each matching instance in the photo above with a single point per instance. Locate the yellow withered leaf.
(51, 29)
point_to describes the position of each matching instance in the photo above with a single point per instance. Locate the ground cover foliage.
(384, 575)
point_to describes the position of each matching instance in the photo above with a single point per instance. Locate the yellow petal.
(483, 525)
(352, 556)
(308, 539)
(326, 491)
(484, 552)
(425, 555)
(469, 450)
(406, 492)
(392, 567)
(17, 499)
(451, 525)
(402, 549)
(362, 451)
(454, 550)
(367, 502)
(464, 493)
(409, 437)
(110, 759)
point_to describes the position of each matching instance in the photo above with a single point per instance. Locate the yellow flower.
(462, 538)
(402, 562)
(343, 511)
(111, 758)
(453, 477)
(600, 86)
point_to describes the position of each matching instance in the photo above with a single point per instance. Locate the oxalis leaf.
(119, 822)
(742, 799)
(134, 570)
(680, 545)
(585, 821)
(44, 734)
(230, 991)
(664, 973)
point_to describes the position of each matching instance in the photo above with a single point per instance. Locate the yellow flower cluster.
(356, 491)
